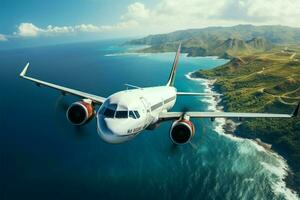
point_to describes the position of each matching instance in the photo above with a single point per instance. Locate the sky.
(35, 22)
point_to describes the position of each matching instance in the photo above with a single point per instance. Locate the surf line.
(281, 170)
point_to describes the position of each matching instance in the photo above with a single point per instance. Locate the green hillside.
(273, 34)
(263, 75)
(264, 82)
(221, 41)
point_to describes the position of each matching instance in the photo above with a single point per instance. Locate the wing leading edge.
(64, 90)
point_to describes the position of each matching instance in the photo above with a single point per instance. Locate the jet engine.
(182, 131)
(80, 112)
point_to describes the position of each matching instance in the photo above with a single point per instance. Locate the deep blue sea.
(42, 156)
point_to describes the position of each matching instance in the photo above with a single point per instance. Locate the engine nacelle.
(80, 112)
(182, 131)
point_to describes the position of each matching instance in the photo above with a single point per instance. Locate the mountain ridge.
(224, 42)
(263, 75)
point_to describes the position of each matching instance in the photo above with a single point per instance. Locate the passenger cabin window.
(122, 114)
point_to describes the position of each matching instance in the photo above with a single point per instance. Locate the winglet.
(23, 73)
(296, 111)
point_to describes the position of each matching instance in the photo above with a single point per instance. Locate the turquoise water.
(44, 157)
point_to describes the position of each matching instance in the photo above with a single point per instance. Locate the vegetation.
(264, 82)
(221, 41)
(262, 76)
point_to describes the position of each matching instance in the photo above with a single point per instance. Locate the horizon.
(34, 23)
(38, 45)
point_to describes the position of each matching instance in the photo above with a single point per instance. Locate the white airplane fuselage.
(126, 113)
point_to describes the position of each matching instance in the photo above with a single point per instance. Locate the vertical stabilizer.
(173, 72)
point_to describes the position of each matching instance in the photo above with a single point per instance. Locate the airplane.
(125, 114)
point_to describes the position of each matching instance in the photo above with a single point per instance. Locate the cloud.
(136, 11)
(126, 25)
(28, 30)
(31, 30)
(169, 15)
(2, 38)
(87, 28)
(273, 11)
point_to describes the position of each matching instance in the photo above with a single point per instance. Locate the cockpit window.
(137, 114)
(131, 115)
(122, 114)
(109, 113)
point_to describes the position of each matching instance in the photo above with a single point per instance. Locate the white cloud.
(87, 28)
(31, 30)
(28, 30)
(273, 11)
(136, 11)
(126, 25)
(57, 30)
(2, 38)
(169, 15)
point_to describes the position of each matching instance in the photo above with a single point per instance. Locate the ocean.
(42, 156)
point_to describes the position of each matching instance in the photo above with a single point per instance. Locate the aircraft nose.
(102, 126)
(109, 131)
(117, 127)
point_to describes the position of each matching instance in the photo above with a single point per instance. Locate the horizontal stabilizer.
(197, 94)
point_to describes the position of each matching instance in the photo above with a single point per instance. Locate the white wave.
(280, 171)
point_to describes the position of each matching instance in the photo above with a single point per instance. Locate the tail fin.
(173, 72)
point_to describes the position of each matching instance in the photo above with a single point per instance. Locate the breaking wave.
(275, 167)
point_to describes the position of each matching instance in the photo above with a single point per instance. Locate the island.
(263, 75)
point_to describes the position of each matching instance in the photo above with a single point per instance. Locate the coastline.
(227, 127)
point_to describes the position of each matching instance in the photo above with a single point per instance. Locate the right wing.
(94, 98)
(176, 115)
(197, 94)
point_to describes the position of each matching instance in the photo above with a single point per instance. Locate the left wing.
(65, 90)
(176, 115)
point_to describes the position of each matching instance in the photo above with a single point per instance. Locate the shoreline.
(227, 127)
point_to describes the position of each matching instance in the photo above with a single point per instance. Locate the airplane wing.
(176, 115)
(64, 90)
(197, 94)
